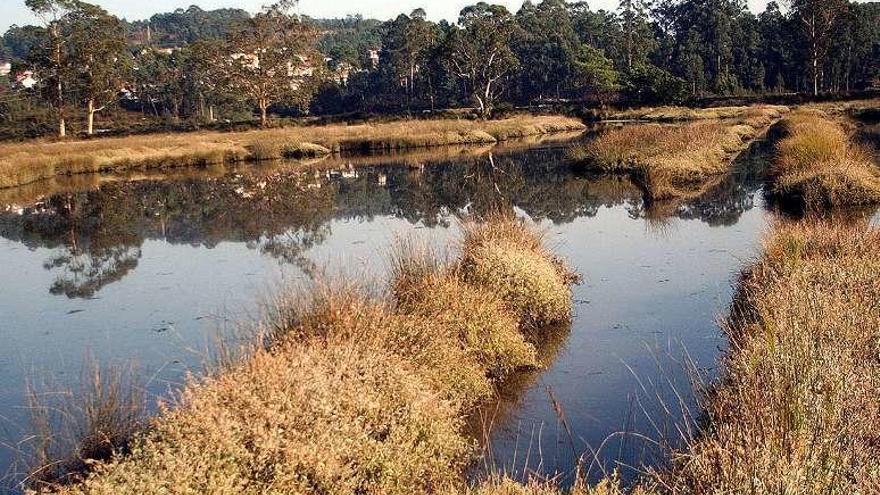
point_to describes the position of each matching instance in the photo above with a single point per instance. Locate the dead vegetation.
(25, 162)
(675, 114)
(819, 165)
(352, 390)
(797, 409)
(672, 161)
(74, 427)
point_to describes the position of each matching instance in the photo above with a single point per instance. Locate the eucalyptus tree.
(480, 53)
(638, 37)
(98, 50)
(408, 44)
(855, 46)
(594, 74)
(20, 41)
(52, 59)
(204, 76)
(273, 59)
(546, 45)
(817, 20)
(776, 48)
(158, 81)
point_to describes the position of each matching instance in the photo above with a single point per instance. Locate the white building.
(26, 79)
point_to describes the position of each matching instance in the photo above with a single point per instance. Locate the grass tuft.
(797, 408)
(510, 260)
(671, 161)
(75, 428)
(819, 166)
(350, 390)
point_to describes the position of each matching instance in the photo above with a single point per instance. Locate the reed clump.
(669, 161)
(512, 262)
(349, 390)
(25, 162)
(818, 165)
(797, 408)
(505, 486)
(74, 427)
(475, 316)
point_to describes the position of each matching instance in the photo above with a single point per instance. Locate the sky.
(14, 11)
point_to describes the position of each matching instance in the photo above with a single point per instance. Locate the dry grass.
(349, 391)
(303, 418)
(798, 407)
(818, 165)
(670, 114)
(474, 316)
(671, 161)
(511, 261)
(22, 163)
(506, 486)
(75, 427)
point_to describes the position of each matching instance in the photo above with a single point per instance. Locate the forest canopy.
(168, 67)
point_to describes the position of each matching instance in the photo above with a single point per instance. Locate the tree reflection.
(97, 235)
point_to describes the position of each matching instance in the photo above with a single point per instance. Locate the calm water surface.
(147, 270)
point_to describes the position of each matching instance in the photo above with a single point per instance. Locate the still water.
(148, 269)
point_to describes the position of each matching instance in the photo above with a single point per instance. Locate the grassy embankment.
(349, 392)
(818, 165)
(21, 163)
(679, 114)
(797, 407)
(670, 162)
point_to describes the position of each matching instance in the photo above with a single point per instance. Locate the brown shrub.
(507, 258)
(336, 419)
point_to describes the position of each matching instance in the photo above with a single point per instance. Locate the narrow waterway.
(148, 269)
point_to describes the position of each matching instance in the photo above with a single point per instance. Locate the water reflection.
(96, 234)
(144, 267)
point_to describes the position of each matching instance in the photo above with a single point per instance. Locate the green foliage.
(479, 52)
(199, 65)
(595, 73)
(649, 84)
(174, 29)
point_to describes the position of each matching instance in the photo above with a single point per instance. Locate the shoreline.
(675, 161)
(29, 162)
(349, 390)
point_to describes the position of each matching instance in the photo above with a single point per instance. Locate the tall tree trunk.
(210, 113)
(815, 70)
(59, 88)
(91, 116)
(264, 120)
(482, 106)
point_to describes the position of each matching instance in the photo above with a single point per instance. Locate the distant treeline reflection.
(96, 235)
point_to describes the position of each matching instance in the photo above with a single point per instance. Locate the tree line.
(205, 65)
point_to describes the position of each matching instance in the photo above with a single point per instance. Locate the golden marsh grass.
(671, 161)
(349, 390)
(797, 408)
(25, 162)
(818, 165)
